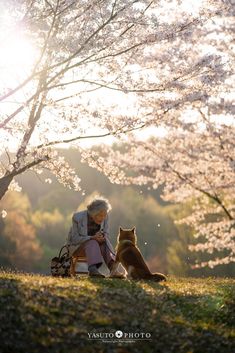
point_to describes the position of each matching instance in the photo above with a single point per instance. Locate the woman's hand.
(99, 237)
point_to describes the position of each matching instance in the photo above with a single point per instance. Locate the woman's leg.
(93, 253)
(109, 258)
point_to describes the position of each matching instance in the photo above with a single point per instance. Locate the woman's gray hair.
(97, 205)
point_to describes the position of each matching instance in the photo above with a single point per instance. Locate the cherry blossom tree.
(192, 153)
(196, 165)
(141, 51)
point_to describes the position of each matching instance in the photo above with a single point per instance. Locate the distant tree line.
(37, 222)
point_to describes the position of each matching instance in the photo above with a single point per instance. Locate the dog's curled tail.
(158, 277)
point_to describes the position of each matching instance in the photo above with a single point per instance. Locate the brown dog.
(131, 259)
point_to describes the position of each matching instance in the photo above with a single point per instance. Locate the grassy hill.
(44, 314)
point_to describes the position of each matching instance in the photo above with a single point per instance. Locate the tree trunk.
(4, 184)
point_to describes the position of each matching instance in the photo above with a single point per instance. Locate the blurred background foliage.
(39, 217)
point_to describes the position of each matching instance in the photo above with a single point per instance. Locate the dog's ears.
(132, 230)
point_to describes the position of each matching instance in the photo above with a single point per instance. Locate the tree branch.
(113, 133)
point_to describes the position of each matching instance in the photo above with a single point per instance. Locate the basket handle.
(65, 246)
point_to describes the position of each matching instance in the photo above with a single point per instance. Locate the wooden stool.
(78, 257)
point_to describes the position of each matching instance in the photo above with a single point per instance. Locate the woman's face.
(99, 217)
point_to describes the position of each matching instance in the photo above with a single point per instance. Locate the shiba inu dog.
(131, 258)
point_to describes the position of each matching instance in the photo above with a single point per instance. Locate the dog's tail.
(157, 277)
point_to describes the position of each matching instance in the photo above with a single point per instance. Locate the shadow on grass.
(56, 318)
(12, 324)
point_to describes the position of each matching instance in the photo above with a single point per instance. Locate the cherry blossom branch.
(188, 181)
(112, 133)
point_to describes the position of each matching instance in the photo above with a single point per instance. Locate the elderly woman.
(90, 234)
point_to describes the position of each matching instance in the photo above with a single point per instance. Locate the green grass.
(44, 314)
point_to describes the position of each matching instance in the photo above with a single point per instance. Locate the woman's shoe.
(96, 274)
(93, 272)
